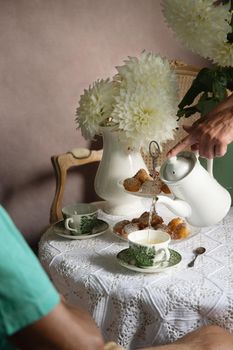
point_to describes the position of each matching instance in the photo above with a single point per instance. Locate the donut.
(174, 223)
(119, 227)
(131, 227)
(178, 228)
(131, 184)
(142, 175)
(164, 188)
(144, 220)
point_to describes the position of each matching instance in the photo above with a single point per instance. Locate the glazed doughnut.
(131, 184)
(182, 231)
(142, 175)
(174, 223)
(156, 220)
(135, 220)
(144, 220)
(178, 229)
(119, 227)
(131, 227)
(164, 188)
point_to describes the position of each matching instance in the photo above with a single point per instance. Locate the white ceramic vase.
(116, 165)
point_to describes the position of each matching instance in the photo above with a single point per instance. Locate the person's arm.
(205, 338)
(31, 312)
(64, 328)
(211, 134)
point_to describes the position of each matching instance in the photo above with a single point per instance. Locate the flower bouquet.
(140, 101)
(137, 105)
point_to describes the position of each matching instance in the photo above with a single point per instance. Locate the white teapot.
(198, 196)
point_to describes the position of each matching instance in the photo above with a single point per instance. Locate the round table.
(136, 309)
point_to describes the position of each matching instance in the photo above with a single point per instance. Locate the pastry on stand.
(150, 186)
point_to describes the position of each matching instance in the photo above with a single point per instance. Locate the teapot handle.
(210, 166)
(209, 163)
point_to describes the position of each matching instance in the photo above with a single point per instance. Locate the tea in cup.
(149, 247)
(80, 218)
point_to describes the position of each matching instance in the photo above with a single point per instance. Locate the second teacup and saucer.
(80, 222)
(149, 252)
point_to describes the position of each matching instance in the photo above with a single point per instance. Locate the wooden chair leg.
(60, 175)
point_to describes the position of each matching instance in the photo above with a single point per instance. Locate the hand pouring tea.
(197, 195)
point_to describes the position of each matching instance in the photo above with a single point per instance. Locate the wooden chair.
(80, 156)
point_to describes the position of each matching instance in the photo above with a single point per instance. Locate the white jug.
(198, 197)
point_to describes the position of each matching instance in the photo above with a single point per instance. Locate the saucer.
(100, 227)
(125, 259)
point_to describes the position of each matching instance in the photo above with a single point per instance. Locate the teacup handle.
(166, 253)
(67, 224)
(209, 163)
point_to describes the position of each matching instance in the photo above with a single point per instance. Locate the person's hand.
(208, 337)
(211, 134)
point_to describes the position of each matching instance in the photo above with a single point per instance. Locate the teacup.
(80, 218)
(149, 247)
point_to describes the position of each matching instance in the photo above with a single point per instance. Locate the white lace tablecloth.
(138, 310)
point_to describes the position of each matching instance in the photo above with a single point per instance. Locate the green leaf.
(198, 85)
(205, 79)
(208, 89)
(206, 104)
(229, 75)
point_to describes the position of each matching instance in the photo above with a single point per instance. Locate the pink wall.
(50, 51)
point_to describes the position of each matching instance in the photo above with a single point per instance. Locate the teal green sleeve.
(26, 293)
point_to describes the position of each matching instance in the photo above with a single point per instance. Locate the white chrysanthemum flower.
(147, 104)
(201, 26)
(143, 118)
(222, 54)
(147, 68)
(95, 106)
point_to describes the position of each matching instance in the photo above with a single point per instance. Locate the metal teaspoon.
(197, 251)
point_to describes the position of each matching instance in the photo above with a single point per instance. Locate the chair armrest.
(61, 164)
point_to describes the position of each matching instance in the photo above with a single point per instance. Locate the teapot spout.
(177, 206)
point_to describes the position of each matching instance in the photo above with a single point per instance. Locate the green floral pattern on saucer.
(100, 227)
(127, 259)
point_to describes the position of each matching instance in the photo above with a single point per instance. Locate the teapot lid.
(176, 168)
